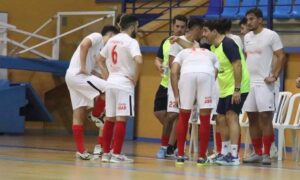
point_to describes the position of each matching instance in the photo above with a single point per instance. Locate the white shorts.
(261, 98)
(119, 103)
(84, 88)
(171, 101)
(196, 87)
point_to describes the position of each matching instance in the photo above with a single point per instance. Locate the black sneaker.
(202, 161)
(180, 160)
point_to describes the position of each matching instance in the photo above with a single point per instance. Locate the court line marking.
(122, 167)
(253, 166)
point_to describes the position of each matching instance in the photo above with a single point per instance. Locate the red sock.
(257, 145)
(78, 137)
(218, 142)
(108, 131)
(112, 143)
(204, 132)
(239, 143)
(100, 140)
(267, 141)
(164, 140)
(119, 136)
(182, 127)
(99, 107)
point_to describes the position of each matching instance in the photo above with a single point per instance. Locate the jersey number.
(114, 55)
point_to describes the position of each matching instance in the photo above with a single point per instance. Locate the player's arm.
(102, 65)
(159, 66)
(171, 59)
(139, 63)
(232, 52)
(95, 73)
(84, 48)
(277, 48)
(278, 65)
(181, 42)
(175, 70)
(237, 68)
(158, 62)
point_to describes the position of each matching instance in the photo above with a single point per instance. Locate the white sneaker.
(83, 156)
(253, 158)
(97, 151)
(106, 157)
(120, 158)
(99, 121)
(273, 151)
(228, 160)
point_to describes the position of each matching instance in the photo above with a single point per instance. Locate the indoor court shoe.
(202, 161)
(273, 151)
(228, 160)
(161, 154)
(106, 157)
(180, 160)
(266, 159)
(253, 158)
(97, 151)
(120, 158)
(214, 157)
(171, 154)
(83, 156)
(99, 121)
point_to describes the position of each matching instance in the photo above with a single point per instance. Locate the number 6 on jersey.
(114, 55)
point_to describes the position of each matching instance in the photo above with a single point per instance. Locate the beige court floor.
(35, 156)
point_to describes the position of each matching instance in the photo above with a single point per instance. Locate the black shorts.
(161, 99)
(225, 105)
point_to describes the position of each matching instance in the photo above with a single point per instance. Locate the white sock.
(225, 147)
(234, 150)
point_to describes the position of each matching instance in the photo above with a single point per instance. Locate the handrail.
(64, 34)
(163, 2)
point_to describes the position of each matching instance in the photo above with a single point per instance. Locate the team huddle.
(203, 67)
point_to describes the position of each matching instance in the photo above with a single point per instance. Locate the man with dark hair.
(243, 26)
(121, 60)
(193, 78)
(168, 137)
(227, 25)
(192, 36)
(109, 28)
(261, 44)
(233, 81)
(97, 114)
(84, 87)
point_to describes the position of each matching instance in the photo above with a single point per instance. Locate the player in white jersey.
(196, 68)
(194, 33)
(168, 138)
(83, 86)
(122, 57)
(261, 45)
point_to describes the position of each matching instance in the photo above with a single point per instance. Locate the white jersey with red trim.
(119, 52)
(93, 52)
(197, 60)
(259, 49)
